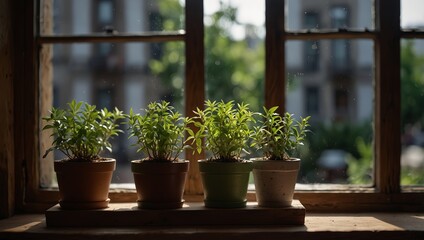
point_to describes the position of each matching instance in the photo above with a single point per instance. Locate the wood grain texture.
(387, 100)
(195, 82)
(361, 202)
(275, 67)
(25, 103)
(46, 95)
(376, 226)
(192, 214)
(322, 34)
(7, 181)
(314, 201)
(115, 38)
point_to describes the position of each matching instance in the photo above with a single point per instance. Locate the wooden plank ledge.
(192, 214)
(376, 226)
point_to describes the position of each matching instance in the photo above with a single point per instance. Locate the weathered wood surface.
(387, 98)
(192, 214)
(195, 82)
(387, 226)
(7, 183)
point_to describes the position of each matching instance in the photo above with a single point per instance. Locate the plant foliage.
(225, 128)
(81, 132)
(277, 136)
(160, 132)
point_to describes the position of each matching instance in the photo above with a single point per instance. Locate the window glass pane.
(332, 81)
(125, 16)
(125, 76)
(329, 14)
(234, 49)
(412, 114)
(412, 14)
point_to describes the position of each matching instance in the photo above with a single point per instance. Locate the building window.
(340, 48)
(105, 12)
(329, 89)
(341, 105)
(312, 101)
(311, 48)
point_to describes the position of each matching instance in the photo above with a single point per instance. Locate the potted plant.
(275, 174)
(225, 130)
(81, 133)
(160, 177)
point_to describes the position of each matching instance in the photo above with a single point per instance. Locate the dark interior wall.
(6, 110)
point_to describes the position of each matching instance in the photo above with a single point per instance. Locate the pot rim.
(101, 160)
(146, 161)
(109, 164)
(155, 167)
(262, 159)
(225, 167)
(243, 161)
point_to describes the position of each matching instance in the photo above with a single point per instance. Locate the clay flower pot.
(159, 184)
(84, 185)
(225, 183)
(275, 181)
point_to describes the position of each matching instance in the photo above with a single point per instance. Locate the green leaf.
(81, 131)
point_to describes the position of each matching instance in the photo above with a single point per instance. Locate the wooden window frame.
(385, 195)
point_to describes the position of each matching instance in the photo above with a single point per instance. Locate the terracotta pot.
(84, 185)
(225, 183)
(275, 181)
(159, 185)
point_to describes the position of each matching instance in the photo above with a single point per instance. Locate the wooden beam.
(330, 35)
(387, 100)
(193, 213)
(7, 183)
(275, 68)
(25, 104)
(354, 226)
(46, 94)
(119, 38)
(195, 82)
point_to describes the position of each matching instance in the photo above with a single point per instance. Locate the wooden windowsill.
(317, 226)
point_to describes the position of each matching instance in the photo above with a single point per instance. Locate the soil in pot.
(159, 185)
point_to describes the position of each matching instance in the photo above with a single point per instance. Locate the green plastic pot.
(225, 183)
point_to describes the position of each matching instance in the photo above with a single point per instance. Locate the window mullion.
(195, 81)
(329, 35)
(275, 54)
(387, 103)
(96, 38)
(412, 34)
(26, 106)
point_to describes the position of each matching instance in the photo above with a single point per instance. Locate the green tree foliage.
(234, 70)
(412, 85)
(168, 58)
(336, 136)
(360, 170)
(412, 94)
